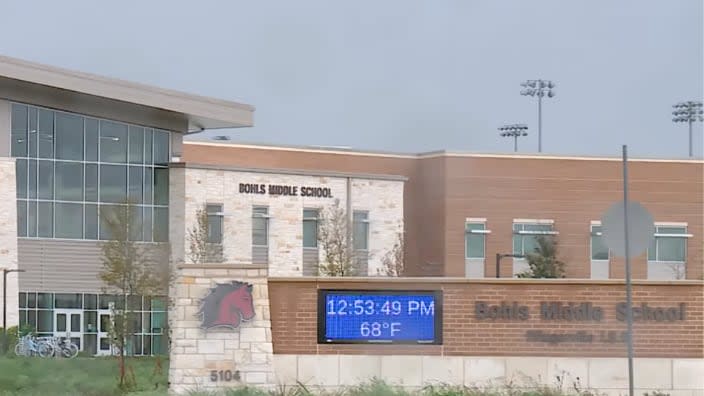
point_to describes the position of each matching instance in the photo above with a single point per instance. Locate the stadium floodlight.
(539, 88)
(688, 112)
(515, 131)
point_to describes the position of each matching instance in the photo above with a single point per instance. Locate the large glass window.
(21, 172)
(113, 183)
(69, 137)
(360, 229)
(69, 220)
(69, 181)
(45, 133)
(525, 236)
(310, 228)
(260, 226)
(599, 249)
(474, 240)
(113, 142)
(669, 244)
(86, 160)
(19, 130)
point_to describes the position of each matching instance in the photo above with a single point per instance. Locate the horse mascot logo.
(227, 305)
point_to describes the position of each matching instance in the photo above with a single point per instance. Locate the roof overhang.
(199, 112)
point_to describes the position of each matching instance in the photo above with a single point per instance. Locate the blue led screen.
(353, 316)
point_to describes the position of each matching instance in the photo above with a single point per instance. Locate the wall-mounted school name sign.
(286, 190)
(582, 312)
(576, 313)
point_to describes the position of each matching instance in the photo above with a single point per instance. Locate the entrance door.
(69, 323)
(104, 320)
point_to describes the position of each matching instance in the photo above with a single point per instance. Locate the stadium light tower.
(688, 112)
(515, 131)
(539, 88)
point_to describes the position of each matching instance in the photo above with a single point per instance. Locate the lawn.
(78, 377)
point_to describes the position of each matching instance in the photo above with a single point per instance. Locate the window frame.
(91, 134)
(219, 215)
(685, 235)
(529, 233)
(316, 220)
(599, 233)
(266, 216)
(367, 226)
(467, 232)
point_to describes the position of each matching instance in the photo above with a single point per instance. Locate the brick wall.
(294, 317)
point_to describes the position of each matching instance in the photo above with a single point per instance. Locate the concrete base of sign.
(220, 357)
(605, 375)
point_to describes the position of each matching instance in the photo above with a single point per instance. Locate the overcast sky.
(397, 75)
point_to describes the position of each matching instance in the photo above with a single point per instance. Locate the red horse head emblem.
(227, 305)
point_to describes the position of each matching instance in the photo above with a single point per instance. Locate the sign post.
(627, 229)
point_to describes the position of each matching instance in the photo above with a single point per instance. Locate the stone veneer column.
(8, 239)
(247, 351)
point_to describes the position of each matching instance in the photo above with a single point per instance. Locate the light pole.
(515, 131)
(539, 88)
(5, 271)
(688, 112)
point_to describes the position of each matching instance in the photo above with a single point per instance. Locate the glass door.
(69, 323)
(104, 321)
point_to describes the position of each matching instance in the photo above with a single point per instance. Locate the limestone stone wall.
(242, 356)
(383, 199)
(8, 238)
(682, 377)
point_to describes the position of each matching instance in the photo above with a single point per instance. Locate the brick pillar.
(219, 357)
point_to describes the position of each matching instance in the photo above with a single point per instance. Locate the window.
(69, 137)
(526, 232)
(474, 239)
(310, 228)
(598, 248)
(669, 244)
(68, 165)
(260, 226)
(360, 230)
(215, 222)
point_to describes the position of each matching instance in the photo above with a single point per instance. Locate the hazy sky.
(397, 75)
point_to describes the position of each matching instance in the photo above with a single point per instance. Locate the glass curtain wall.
(71, 167)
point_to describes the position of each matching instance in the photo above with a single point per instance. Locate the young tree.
(201, 250)
(394, 261)
(543, 261)
(127, 271)
(334, 238)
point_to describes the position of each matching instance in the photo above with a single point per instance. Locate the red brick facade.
(294, 317)
(444, 189)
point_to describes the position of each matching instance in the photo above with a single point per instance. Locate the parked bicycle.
(31, 346)
(62, 346)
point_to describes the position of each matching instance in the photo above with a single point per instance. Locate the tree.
(201, 250)
(394, 261)
(543, 261)
(127, 271)
(334, 237)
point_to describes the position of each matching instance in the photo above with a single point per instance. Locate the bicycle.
(29, 346)
(63, 346)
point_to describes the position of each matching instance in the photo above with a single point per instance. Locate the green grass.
(78, 377)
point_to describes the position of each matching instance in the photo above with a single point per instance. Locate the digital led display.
(373, 316)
